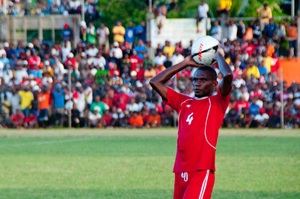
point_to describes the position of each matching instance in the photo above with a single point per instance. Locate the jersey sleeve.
(174, 99)
(224, 101)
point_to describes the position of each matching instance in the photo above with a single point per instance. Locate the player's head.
(204, 81)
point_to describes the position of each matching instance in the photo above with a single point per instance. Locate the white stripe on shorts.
(204, 185)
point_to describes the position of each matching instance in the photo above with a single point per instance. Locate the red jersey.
(198, 129)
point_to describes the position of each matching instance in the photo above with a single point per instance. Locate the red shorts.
(194, 185)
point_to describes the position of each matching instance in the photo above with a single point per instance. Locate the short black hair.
(212, 73)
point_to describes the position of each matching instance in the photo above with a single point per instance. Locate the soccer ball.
(204, 49)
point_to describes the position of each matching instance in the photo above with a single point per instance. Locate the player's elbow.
(228, 77)
(153, 82)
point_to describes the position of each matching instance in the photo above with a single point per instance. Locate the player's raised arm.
(158, 82)
(225, 84)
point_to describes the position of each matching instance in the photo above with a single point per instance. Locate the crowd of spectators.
(105, 84)
(47, 7)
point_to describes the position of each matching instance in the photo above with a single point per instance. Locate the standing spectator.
(26, 99)
(232, 31)
(141, 31)
(270, 29)
(140, 49)
(291, 30)
(59, 104)
(265, 14)
(91, 34)
(257, 29)
(15, 101)
(119, 32)
(216, 31)
(83, 31)
(202, 14)
(67, 33)
(240, 29)
(103, 33)
(98, 105)
(130, 34)
(44, 103)
(224, 7)
(161, 16)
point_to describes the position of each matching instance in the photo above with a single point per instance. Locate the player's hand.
(191, 62)
(220, 51)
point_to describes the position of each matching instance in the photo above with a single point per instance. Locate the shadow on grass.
(134, 193)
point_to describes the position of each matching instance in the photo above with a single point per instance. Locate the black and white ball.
(204, 49)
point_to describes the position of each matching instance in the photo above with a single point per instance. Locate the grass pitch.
(120, 163)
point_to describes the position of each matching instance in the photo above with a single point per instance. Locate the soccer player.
(200, 118)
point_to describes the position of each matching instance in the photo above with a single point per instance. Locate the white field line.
(46, 142)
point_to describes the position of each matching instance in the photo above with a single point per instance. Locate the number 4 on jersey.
(190, 118)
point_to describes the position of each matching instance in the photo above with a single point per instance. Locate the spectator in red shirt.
(31, 121)
(107, 117)
(17, 120)
(241, 103)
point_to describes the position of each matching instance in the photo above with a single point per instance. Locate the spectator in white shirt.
(160, 58)
(94, 118)
(176, 58)
(232, 31)
(116, 51)
(261, 118)
(132, 106)
(216, 31)
(239, 81)
(102, 33)
(99, 61)
(92, 51)
(202, 13)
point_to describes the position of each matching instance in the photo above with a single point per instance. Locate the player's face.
(203, 84)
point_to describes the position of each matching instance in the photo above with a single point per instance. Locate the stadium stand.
(110, 82)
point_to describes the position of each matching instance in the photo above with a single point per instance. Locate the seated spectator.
(17, 120)
(107, 119)
(132, 106)
(136, 120)
(160, 58)
(94, 119)
(154, 119)
(241, 104)
(231, 119)
(168, 49)
(31, 121)
(261, 118)
(274, 120)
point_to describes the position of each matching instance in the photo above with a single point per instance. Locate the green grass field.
(120, 163)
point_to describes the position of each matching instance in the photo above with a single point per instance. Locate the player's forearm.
(224, 68)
